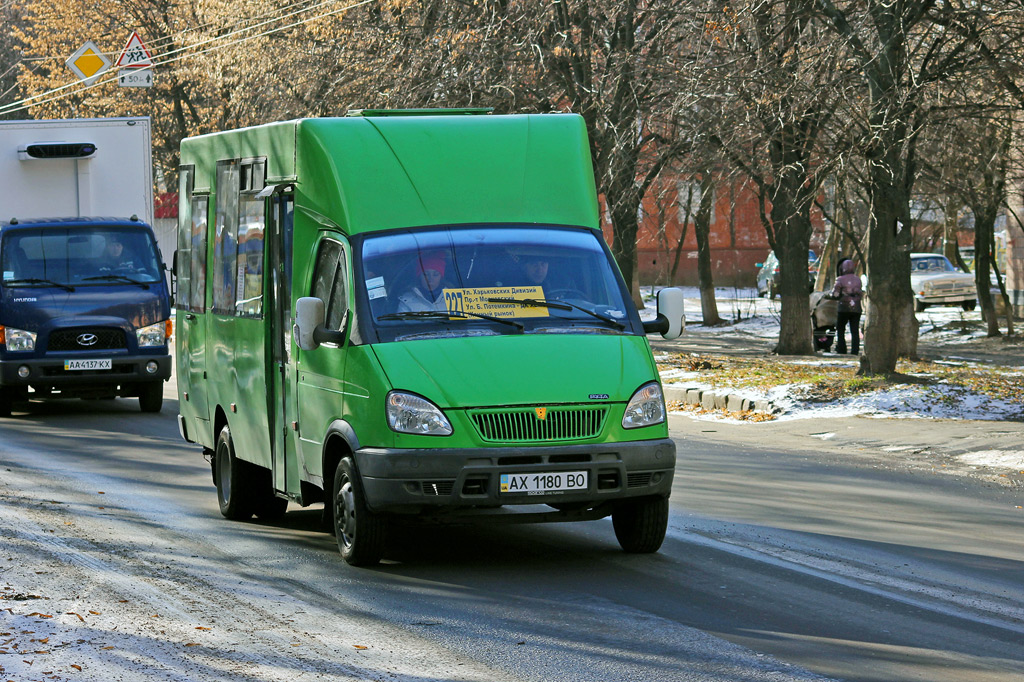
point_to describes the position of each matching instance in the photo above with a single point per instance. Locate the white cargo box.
(76, 167)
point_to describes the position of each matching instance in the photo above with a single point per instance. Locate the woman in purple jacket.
(849, 291)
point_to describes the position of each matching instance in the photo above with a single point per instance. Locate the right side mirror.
(671, 320)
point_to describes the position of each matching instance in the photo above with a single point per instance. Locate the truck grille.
(68, 339)
(524, 425)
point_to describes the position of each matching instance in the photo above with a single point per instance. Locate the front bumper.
(45, 374)
(461, 480)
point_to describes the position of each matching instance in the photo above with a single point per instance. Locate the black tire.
(969, 305)
(920, 306)
(233, 485)
(151, 397)
(360, 532)
(5, 403)
(640, 526)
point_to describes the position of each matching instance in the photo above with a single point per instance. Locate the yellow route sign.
(88, 63)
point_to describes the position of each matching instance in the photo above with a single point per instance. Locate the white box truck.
(77, 167)
(84, 297)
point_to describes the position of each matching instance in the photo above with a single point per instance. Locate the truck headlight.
(408, 413)
(153, 335)
(645, 408)
(19, 339)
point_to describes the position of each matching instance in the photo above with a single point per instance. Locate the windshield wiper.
(445, 315)
(36, 280)
(558, 305)
(119, 278)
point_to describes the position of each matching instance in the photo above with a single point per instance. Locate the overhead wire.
(189, 51)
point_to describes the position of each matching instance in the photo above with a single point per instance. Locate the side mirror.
(309, 329)
(309, 314)
(671, 320)
(174, 263)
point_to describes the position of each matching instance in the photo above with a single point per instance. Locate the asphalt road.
(784, 561)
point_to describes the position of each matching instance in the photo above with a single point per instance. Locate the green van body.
(280, 420)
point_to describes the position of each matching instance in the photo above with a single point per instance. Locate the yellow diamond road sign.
(88, 63)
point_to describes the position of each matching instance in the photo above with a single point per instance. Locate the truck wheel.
(969, 305)
(919, 306)
(5, 403)
(151, 397)
(359, 531)
(640, 526)
(233, 493)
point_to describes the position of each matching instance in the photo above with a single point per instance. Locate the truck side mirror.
(309, 314)
(309, 329)
(671, 321)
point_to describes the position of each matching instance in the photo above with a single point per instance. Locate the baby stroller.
(824, 313)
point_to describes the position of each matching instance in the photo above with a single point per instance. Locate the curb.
(718, 399)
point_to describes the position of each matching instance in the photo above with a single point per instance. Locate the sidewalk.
(990, 450)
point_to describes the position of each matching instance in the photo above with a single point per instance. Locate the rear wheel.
(151, 397)
(233, 492)
(640, 525)
(969, 305)
(359, 531)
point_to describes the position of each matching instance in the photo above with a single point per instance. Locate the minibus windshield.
(78, 256)
(478, 279)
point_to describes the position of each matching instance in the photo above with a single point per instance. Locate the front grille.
(524, 425)
(68, 339)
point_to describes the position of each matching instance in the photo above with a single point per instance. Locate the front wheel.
(640, 525)
(920, 306)
(5, 403)
(151, 397)
(359, 531)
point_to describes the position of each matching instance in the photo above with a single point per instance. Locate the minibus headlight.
(645, 408)
(153, 335)
(19, 339)
(408, 413)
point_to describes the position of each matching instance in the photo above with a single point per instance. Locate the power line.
(186, 52)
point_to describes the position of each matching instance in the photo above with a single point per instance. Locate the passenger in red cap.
(427, 294)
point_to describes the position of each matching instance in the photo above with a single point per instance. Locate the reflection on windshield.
(540, 278)
(66, 257)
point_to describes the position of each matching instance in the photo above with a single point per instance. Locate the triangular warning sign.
(135, 54)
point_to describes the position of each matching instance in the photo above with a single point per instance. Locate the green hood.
(542, 369)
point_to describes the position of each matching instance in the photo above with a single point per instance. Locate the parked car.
(936, 282)
(768, 276)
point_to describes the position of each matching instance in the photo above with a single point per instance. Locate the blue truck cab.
(84, 311)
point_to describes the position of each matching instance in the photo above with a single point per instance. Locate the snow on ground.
(759, 318)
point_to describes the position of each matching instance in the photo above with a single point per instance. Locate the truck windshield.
(477, 280)
(78, 256)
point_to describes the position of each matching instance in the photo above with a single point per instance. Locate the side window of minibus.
(329, 282)
(183, 258)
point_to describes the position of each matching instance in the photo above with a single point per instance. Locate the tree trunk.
(702, 230)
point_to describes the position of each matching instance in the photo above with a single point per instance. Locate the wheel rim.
(345, 513)
(224, 472)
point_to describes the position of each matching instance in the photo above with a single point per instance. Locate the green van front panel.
(515, 369)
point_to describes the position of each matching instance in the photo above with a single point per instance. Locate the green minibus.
(412, 316)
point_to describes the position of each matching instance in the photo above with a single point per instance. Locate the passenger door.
(190, 301)
(281, 373)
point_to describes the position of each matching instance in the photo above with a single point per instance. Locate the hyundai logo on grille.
(87, 339)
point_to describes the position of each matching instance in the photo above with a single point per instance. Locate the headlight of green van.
(645, 408)
(19, 339)
(153, 335)
(408, 413)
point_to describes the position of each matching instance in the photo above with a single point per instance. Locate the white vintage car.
(936, 282)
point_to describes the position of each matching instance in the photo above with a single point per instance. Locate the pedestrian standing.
(849, 291)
